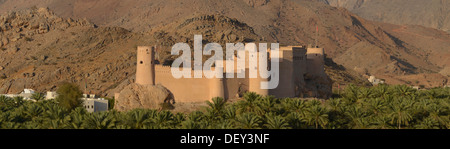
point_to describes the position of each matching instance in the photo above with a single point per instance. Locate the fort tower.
(145, 72)
(315, 59)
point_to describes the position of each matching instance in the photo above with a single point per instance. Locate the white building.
(90, 102)
(375, 81)
(93, 104)
(51, 95)
(26, 94)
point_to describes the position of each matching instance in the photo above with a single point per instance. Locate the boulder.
(445, 71)
(135, 96)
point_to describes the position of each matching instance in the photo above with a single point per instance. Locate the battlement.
(166, 71)
(295, 62)
(315, 51)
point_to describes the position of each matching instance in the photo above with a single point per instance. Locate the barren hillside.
(429, 13)
(41, 50)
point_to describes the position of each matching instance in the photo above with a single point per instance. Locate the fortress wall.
(235, 85)
(184, 89)
(286, 87)
(295, 62)
(254, 84)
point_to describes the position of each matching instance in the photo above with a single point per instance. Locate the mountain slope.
(41, 50)
(429, 13)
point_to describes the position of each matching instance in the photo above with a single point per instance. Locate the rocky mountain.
(40, 50)
(428, 13)
(102, 56)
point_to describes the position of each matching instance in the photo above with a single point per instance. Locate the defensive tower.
(316, 61)
(145, 72)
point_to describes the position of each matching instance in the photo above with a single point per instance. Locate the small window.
(141, 62)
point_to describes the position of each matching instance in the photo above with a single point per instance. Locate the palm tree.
(276, 122)
(382, 91)
(357, 116)
(314, 102)
(267, 103)
(226, 124)
(190, 124)
(295, 105)
(163, 120)
(55, 124)
(248, 121)
(54, 112)
(250, 104)
(34, 111)
(317, 116)
(431, 94)
(428, 123)
(217, 105)
(403, 90)
(18, 100)
(436, 113)
(365, 93)
(194, 120)
(381, 122)
(101, 120)
(75, 121)
(400, 113)
(295, 120)
(178, 118)
(32, 125)
(12, 125)
(377, 106)
(334, 104)
(137, 118)
(230, 112)
(38, 96)
(351, 93)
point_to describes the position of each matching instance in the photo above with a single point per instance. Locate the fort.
(298, 65)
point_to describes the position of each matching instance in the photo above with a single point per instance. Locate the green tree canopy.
(69, 96)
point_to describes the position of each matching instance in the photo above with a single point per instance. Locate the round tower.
(145, 72)
(315, 61)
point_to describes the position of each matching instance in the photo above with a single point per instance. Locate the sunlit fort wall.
(295, 63)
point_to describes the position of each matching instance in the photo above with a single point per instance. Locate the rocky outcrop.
(445, 71)
(256, 3)
(317, 87)
(39, 49)
(136, 96)
(214, 28)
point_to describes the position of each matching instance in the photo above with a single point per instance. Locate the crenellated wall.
(295, 63)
